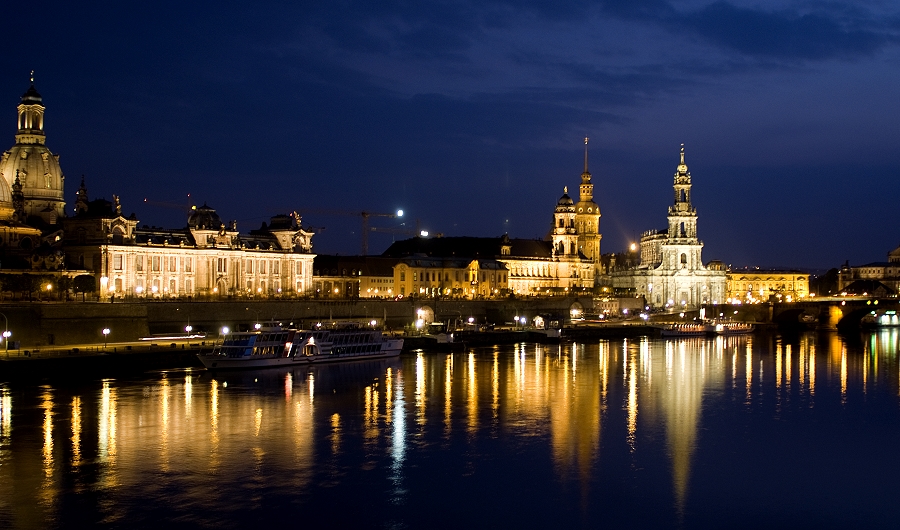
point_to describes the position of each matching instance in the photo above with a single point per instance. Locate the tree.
(84, 283)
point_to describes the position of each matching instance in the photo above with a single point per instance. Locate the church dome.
(37, 167)
(39, 172)
(31, 97)
(565, 203)
(204, 218)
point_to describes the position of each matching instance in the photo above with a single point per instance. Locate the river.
(737, 432)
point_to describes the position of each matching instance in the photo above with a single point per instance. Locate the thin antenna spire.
(682, 154)
(585, 154)
(32, 78)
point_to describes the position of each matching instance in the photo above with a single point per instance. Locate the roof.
(867, 287)
(469, 247)
(367, 265)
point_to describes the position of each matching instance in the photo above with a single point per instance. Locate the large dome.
(38, 169)
(204, 218)
(39, 172)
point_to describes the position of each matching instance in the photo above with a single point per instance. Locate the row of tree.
(46, 286)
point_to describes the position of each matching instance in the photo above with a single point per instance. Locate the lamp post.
(6, 333)
(105, 337)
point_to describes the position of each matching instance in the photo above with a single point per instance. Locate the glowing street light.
(6, 333)
(105, 332)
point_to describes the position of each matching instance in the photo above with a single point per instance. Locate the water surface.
(694, 433)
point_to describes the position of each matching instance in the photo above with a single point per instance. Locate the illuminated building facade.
(31, 194)
(671, 273)
(752, 286)
(886, 272)
(353, 276)
(531, 266)
(205, 259)
(464, 278)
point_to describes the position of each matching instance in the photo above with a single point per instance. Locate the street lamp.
(105, 336)
(6, 333)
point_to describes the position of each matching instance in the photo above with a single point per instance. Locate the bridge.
(830, 312)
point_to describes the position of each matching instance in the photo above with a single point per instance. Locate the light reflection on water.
(692, 432)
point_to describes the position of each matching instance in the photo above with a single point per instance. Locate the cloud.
(785, 34)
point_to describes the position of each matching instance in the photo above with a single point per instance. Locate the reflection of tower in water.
(680, 372)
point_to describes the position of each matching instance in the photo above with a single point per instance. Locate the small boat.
(687, 330)
(274, 346)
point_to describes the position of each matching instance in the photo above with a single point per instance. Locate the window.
(139, 263)
(188, 265)
(154, 264)
(188, 286)
(117, 262)
(249, 266)
(403, 276)
(173, 264)
(415, 276)
(262, 266)
(222, 265)
(172, 287)
(299, 268)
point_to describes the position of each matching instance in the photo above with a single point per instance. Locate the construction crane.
(184, 208)
(364, 215)
(403, 229)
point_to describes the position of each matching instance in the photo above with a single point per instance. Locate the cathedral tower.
(587, 218)
(682, 215)
(682, 248)
(38, 170)
(564, 235)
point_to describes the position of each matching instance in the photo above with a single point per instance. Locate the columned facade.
(671, 273)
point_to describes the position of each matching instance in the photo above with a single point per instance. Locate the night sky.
(471, 115)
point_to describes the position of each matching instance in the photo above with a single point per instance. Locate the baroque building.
(207, 258)
(30, 165)
(568, 260)
(754, 285)
(885, 272)
(671, 273)
(31, 197)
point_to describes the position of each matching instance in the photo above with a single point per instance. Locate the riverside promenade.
(39, 325)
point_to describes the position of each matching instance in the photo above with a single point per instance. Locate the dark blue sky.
(470, 115)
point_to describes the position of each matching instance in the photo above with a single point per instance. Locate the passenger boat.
(687, 330)
(274, 346)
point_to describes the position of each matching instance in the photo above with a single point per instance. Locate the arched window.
(118, 236)
(683, 260)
